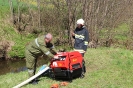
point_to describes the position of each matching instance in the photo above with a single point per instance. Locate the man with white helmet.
(81, 37)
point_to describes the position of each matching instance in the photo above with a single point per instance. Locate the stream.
(14, 66)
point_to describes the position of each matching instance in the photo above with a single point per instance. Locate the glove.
(56, 57)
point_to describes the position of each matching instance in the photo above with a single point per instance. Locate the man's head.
(80, 23)
(48, 38)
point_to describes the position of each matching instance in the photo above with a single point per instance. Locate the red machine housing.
(67, 65)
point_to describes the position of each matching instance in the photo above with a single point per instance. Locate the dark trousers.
(82, 54)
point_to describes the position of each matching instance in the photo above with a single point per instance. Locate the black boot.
(34, 82)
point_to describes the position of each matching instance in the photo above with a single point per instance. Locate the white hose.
(31, 78)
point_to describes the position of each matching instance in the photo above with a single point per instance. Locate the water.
(14, 66)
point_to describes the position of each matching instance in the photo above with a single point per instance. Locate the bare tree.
(39, 14)
(11, 11)
(57, 16)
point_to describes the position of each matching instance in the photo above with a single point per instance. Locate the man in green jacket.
(38, 47)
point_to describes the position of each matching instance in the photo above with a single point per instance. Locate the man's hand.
(84, 51)
(73, 34)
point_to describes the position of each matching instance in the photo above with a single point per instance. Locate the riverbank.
(106, 68)
(17, 65)
(12, 66)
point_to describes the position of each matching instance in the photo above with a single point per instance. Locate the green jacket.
(38, 47)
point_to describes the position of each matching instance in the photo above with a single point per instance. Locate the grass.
(120, 32)
(7, 31)
(4, 8)
(106, 68)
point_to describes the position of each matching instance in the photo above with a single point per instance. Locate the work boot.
(34, 82)
(31, 73)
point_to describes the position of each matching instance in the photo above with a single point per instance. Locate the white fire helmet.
(80, 21)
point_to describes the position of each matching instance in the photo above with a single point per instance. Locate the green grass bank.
(106, 68)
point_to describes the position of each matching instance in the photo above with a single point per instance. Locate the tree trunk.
(39, 14)
(70, 21)
(11, 11)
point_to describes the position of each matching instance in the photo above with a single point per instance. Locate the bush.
(19, 47)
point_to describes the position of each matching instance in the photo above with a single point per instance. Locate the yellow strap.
(79, 36)
(85, 43)
(79, 50)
